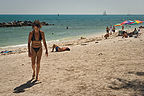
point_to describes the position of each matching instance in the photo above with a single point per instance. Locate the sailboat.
(104, 13)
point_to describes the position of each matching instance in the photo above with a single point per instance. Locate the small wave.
(14, 46)
(25, 45)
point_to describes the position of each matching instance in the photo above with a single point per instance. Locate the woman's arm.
(44, 42)
(29, 41)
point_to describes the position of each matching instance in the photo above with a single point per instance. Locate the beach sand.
(93, 67)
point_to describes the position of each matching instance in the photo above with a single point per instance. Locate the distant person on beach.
(106, 35)
(35, 46)
(113, 29)
(107, 29)
(58, 49)
(107, 32)
(122, 28)
(125, 35)
(138, 29)
(141, 27)
(135, 31)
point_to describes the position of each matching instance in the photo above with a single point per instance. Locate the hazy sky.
(71, 6)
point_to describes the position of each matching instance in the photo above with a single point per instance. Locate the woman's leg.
(39, 54)
(53, 47)
(33, 66)
(64, 48)
(33, 61)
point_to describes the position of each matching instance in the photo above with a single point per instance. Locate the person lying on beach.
(130, 34)
(58, 49)
(135, 32)
(141, 27)
(6, 52)
(35, 46)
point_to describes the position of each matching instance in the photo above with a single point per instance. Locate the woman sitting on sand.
(58, 49)
(135, 32)
(106, 35)
(35, 46)
(125, 35)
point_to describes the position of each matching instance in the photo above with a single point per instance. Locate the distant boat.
(104, 13)
(128, 14)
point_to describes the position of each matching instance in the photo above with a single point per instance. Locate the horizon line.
(63, 14)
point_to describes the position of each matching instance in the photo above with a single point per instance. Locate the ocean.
(78, 25)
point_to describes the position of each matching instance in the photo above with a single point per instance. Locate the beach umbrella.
(137, 21)
(118, 25)
(127, 22)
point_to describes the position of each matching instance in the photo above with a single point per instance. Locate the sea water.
(78, 25)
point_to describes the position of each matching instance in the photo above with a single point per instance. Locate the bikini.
(57, 48)
(33, 39)
(67, 49)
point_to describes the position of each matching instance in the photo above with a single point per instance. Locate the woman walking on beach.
(35, 46)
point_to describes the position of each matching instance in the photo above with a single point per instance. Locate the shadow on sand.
(28, 84)
(137, 73)
(136, 85)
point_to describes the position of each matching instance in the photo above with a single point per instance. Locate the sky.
(71, 6)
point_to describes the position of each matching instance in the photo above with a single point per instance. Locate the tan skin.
(31, 51)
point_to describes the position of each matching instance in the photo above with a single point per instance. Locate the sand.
(94, 67)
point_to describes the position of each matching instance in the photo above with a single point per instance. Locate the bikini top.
(33, 37)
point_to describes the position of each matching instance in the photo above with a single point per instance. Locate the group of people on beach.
(122, 32)
(35, 47)
(130, 34)
(126, 34)
(109, 31)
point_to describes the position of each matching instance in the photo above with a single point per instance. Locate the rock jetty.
(20, 24)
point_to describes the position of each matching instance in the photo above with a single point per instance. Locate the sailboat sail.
(104, 13)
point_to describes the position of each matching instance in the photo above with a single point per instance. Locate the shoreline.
(70, 41)
(59, 41)
(62, 39)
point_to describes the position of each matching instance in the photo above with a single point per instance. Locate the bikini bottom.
(36, 49)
